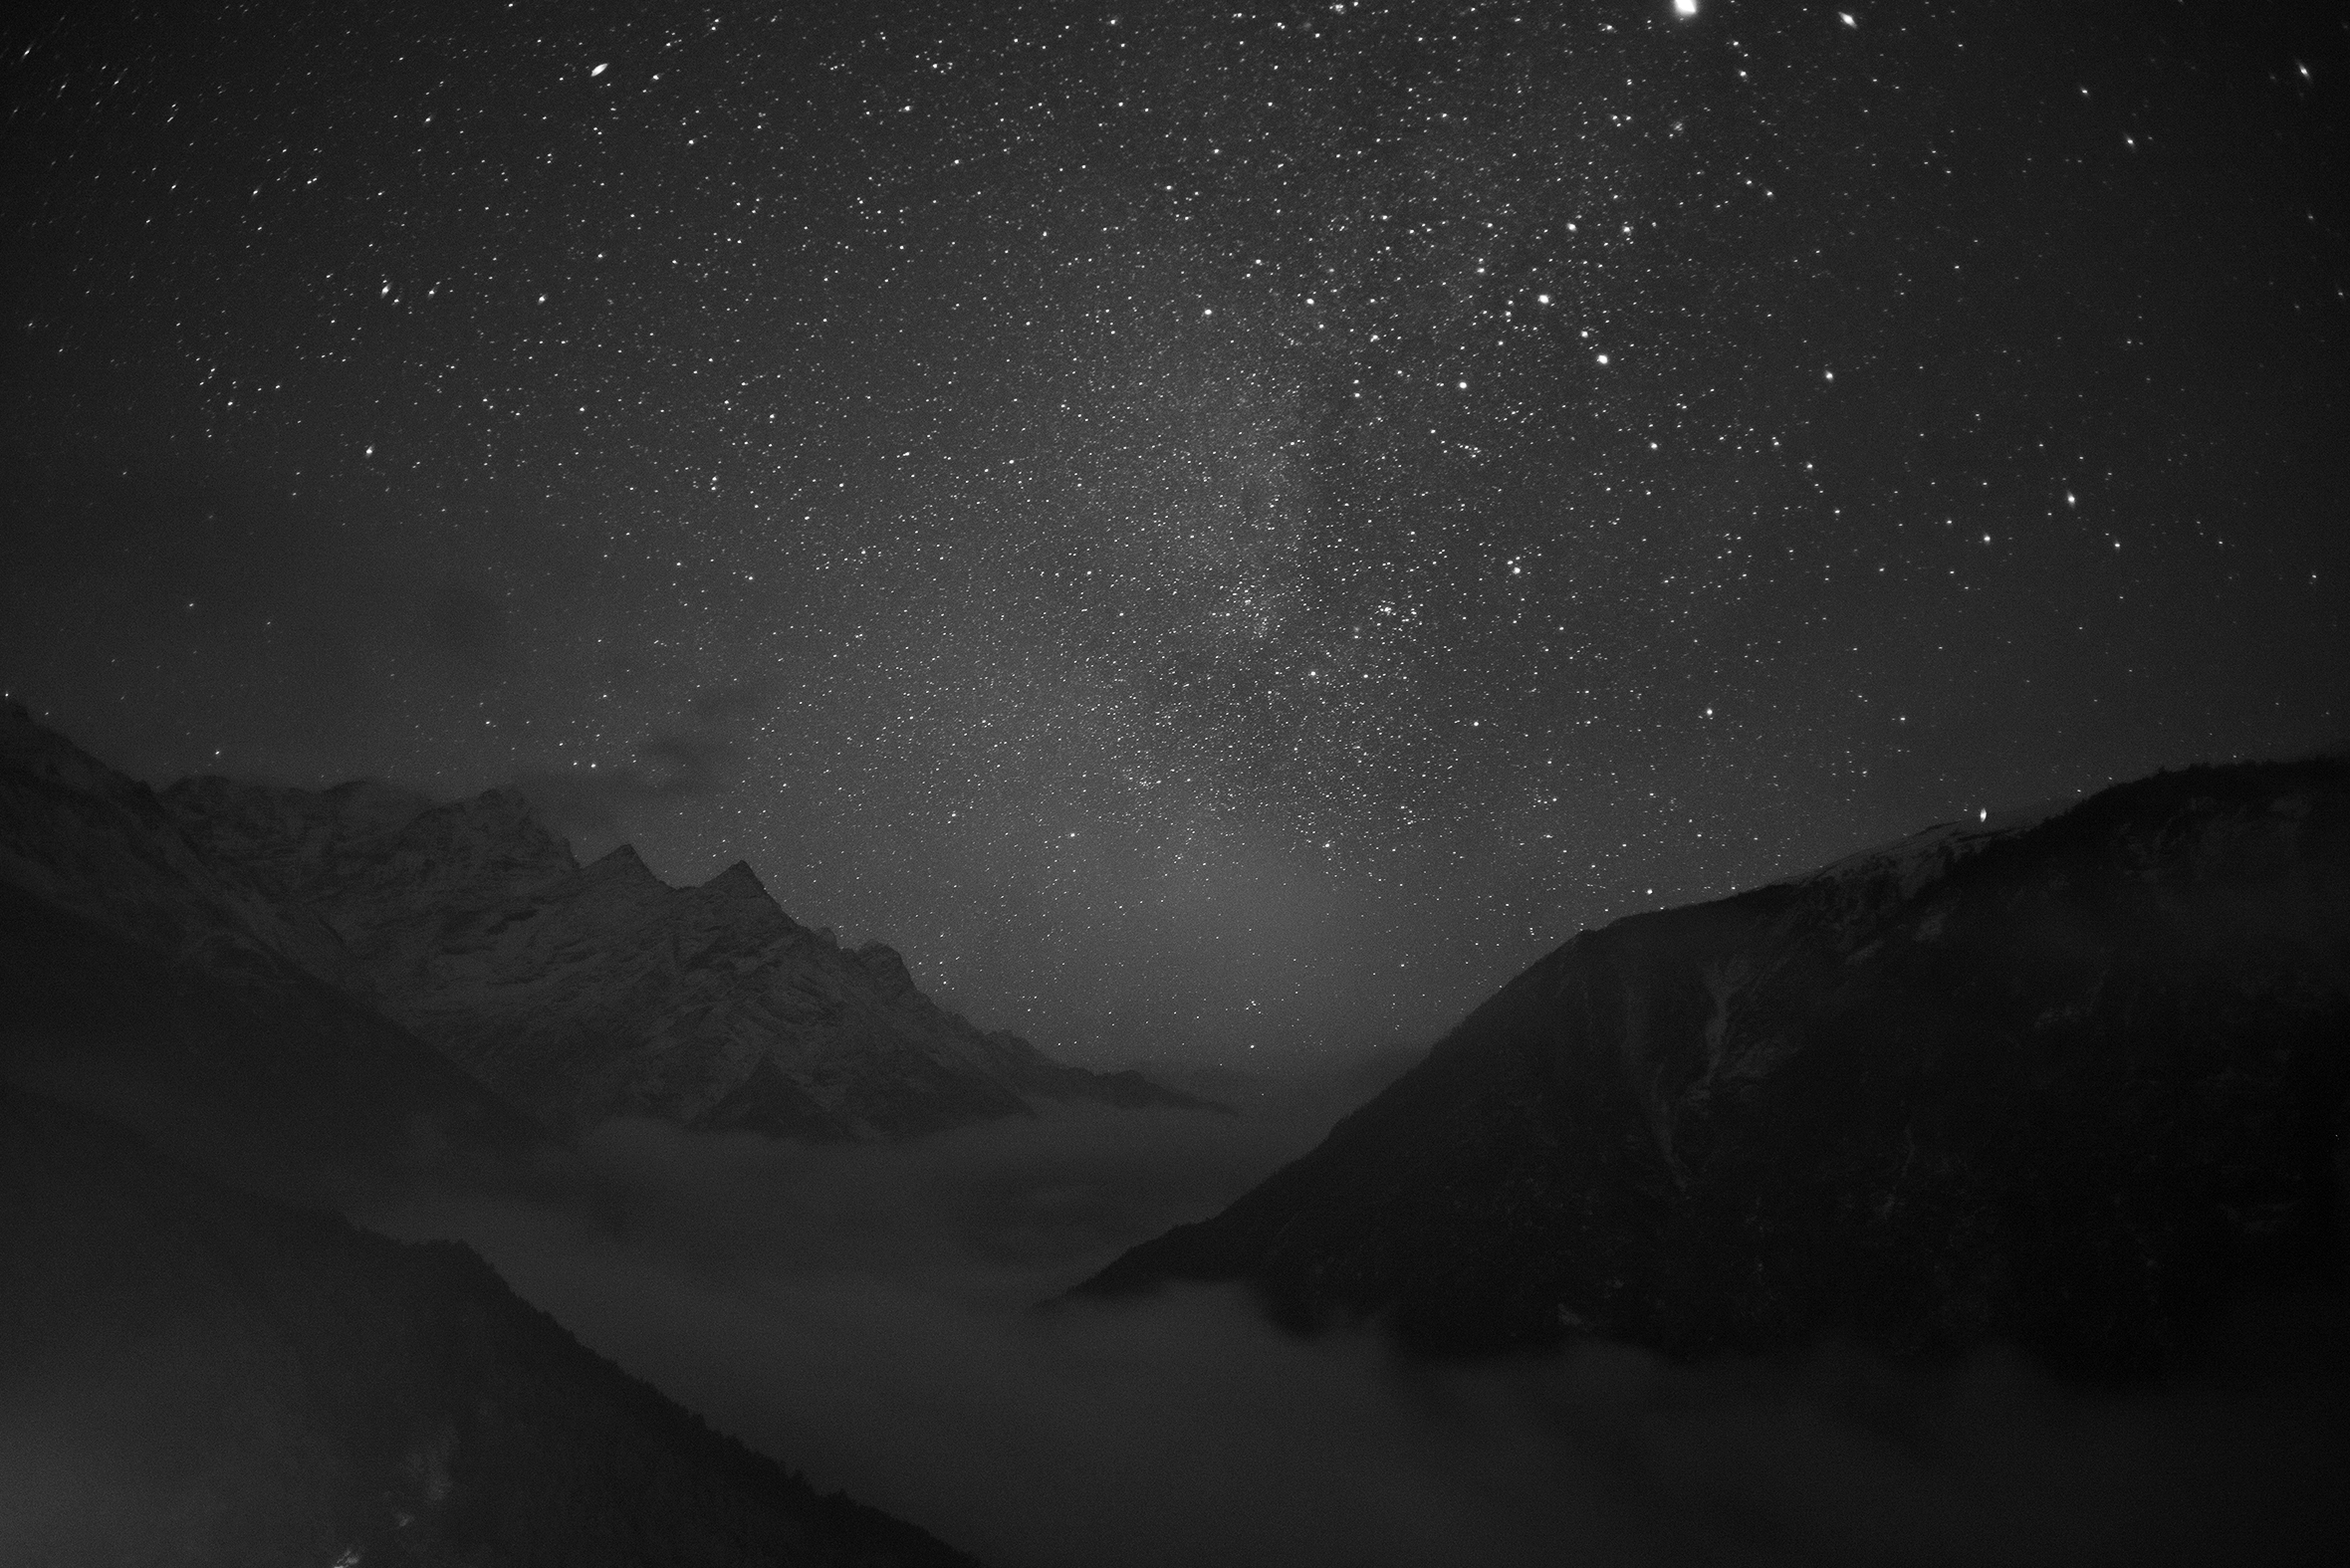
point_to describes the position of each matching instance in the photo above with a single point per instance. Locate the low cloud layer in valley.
(867, 1314)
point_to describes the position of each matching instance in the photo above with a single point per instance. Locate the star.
(970, 436)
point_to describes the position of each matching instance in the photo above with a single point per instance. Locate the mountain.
(192, 1375)
(145, 977)
(585, 993)
(2068, 1084)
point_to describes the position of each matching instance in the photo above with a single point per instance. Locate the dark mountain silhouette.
(149, 980)
(2067, 1085)
(586, 993)
(190, 1375)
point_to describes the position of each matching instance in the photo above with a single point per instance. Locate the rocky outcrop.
(585, 993)
(2067, 1085)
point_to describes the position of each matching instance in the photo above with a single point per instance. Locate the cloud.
(866, 1314)
(701, 758)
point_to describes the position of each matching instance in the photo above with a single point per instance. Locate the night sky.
(1208, 527)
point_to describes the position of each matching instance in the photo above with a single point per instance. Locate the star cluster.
(1208, 526)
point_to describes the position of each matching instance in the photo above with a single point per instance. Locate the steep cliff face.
(584, 992)
(192, 1375)
(147, 977)
(2062, 1083)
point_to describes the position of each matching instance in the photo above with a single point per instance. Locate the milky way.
(1208, 527)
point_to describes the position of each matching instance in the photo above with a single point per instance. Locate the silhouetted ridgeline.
(149, 981)
(192, 1375)
(584, 992)
(2067, 1085)
(327, 990)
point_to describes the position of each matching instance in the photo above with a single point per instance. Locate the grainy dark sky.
(1209, 527)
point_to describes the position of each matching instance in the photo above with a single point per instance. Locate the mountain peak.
(588, 993)
(737, 880)
(622, 862)
(578, 994)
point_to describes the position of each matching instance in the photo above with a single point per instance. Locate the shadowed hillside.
(192, 1376)
(2068, 1084)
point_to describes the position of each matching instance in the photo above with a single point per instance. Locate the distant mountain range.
(347, 977)
(2064, 1082)
(2068, 1083)
(227, 990)
(582, 993)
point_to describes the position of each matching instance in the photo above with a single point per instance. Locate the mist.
(868, 1315)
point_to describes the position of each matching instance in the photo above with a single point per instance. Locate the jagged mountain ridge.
(141, 977)
(584, 992)
(2065, 1085)
(78, 835)
(193, 1375)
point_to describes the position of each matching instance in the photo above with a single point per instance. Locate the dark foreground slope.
(190, 1376)
(2067, 1085)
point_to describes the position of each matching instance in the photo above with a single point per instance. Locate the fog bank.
(866, 1315)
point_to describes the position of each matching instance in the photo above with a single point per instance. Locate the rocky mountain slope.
(82, 838)
(2067, 1085)
(144, 977)
(584, 993)
(189, 1375)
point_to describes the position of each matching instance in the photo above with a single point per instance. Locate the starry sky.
(1213, 527)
